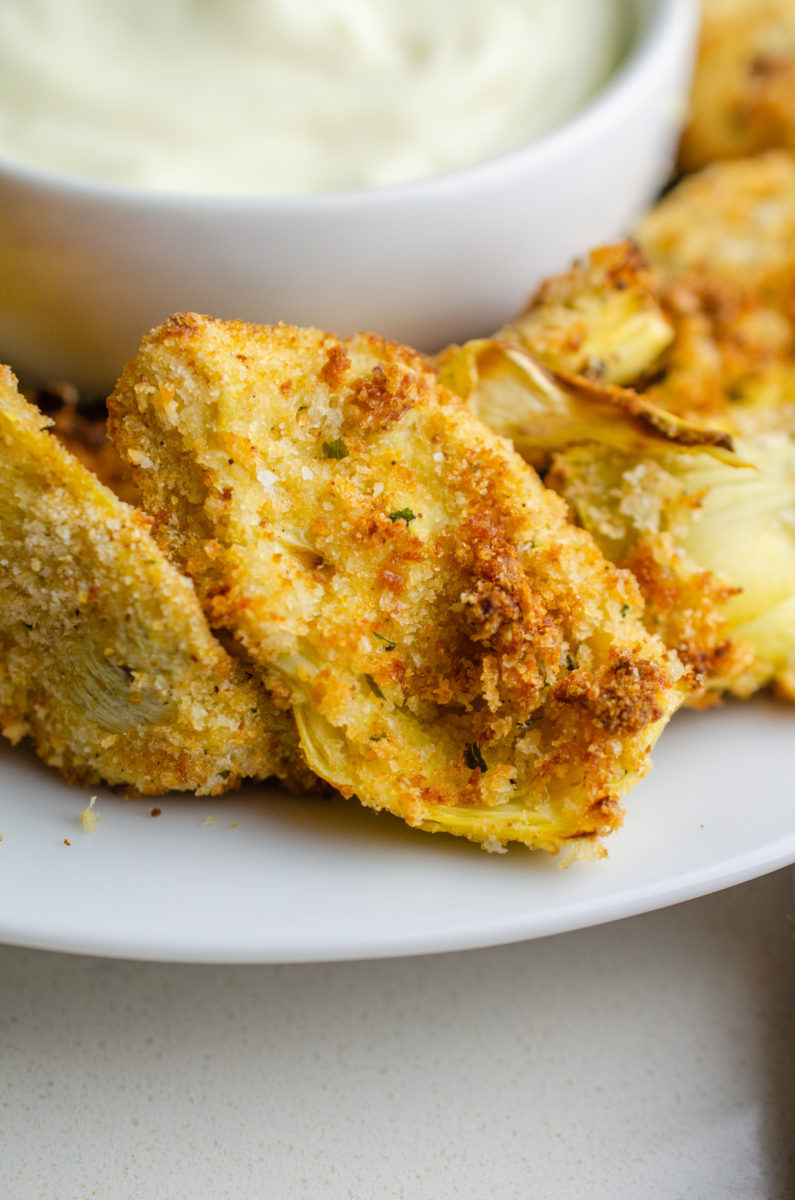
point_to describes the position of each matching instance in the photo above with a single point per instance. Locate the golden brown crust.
(722, 246)
(665, 517)
(743, 98)
(733, 222)
(724, 243)
(600, 320)
(399, 575)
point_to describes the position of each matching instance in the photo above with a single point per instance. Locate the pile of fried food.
(471, 592)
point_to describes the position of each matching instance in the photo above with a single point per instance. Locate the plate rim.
(580, 914)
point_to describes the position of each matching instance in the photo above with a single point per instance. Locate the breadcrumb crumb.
(89, 816)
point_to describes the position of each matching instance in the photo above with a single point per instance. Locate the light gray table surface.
(650, 1058)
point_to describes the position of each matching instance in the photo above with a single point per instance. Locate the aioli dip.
(273, 97)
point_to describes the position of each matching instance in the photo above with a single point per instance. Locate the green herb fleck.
(224, 774)
(388, 645)
(473, 758)
(335, 449)
(624, 609)
(570, 663)
(403, 514)
(375, 687)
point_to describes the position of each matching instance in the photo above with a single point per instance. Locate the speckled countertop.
(651, 1058)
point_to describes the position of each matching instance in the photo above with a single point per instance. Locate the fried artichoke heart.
(708, 330)
(454, 650)
(723, 246)
(106, 659)
(743, 97)
(624, 454)
(602, 319)
(712, 545)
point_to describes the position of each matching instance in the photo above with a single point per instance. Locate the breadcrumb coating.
(710, 544)
(107, 661)
(734, 221)
(743, 97)
(453, 649)
(702, 322)
(723, 243)
(601, 319)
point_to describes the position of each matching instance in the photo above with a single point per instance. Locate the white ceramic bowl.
(88, 267)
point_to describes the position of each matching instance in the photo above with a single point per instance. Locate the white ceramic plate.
(300, 880)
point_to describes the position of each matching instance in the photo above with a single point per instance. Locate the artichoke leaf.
(601, 319)
(542, 411)
(690, 524)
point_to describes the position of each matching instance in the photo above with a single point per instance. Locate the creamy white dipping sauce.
(292, 96)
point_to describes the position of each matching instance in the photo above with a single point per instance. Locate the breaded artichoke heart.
(453, 649)
(106, 659)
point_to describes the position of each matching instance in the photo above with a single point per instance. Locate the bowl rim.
(669, 27)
